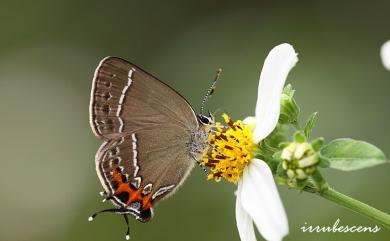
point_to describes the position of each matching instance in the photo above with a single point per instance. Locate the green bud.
(299, 137)
(300, 174)
(289, 109)
(299, 160)
(290, 173)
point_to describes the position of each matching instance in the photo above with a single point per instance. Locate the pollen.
(231, 148)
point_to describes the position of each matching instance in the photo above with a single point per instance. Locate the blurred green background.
(49, 51)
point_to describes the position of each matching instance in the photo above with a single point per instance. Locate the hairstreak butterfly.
(151, 137)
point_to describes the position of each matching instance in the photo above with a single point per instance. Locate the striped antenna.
(211, 90)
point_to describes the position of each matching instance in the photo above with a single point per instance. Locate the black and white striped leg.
(128, 226)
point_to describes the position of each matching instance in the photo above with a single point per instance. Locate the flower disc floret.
(231, 148)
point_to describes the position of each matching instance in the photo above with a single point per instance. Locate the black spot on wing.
(114, 185)
(124, 178)
(146, 215)
(123, 196)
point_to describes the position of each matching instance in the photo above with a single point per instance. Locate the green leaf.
(317, 143)
(280, 171)
(278, 135)
(280, 180)
(324, 163)
(309, 124)
(289, 109)
(300, 184)
(277, 156)
(349, 155)
(283, 145)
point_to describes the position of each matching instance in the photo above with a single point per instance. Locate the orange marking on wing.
(133, 195)
(122, 186)
(146, 202)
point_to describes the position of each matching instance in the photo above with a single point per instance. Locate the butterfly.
(152, 138)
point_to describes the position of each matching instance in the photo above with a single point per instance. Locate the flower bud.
(299, 160)
(289, 109)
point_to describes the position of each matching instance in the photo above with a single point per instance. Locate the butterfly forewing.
(125, 99)
(147, 127)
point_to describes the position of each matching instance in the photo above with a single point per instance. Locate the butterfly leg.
(200, 165)
(128, 226)
(117, 211)
(110, 210)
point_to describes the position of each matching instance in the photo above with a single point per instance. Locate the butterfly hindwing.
(132, 172)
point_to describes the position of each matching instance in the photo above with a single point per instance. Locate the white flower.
(385, 54)
(258, 200)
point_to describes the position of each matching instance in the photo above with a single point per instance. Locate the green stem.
(357, 206)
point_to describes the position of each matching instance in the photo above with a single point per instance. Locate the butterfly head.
(206, 119)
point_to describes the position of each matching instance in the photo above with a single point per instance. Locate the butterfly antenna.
(211, 90)
(128, 226)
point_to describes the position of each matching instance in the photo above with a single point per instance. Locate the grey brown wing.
(126, 99)
(139, 169)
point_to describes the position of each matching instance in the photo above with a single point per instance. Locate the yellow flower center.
(231, 148)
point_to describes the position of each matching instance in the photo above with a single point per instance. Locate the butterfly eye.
(205, 120)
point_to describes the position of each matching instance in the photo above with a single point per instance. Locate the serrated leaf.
(349, 155)
(309, 124)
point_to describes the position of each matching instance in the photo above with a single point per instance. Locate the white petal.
(385, 55)
(250, 120)
(244, 221)
(276, 67)
(286, 154)
(260, 199)
(301, 149)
